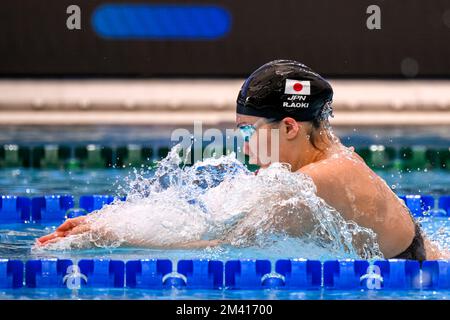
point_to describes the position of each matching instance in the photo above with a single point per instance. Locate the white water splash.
(221, 199)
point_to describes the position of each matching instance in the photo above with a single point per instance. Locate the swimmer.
(292, 98)
(288, 96)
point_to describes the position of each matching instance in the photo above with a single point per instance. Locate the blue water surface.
(16, 240)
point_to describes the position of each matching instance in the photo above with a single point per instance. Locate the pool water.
(75, 181)
(31, 182)
(177, 294)
(16, 240)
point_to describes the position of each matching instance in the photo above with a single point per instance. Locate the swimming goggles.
(248, 130)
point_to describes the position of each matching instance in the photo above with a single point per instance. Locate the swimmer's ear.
(290, 127)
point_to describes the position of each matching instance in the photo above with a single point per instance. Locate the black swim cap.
(285, 88)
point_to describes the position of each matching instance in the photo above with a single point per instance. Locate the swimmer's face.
(270, 141)
(262, 141)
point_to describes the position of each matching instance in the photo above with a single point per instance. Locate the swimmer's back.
(346, 183)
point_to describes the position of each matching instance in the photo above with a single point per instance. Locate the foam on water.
(221, 199)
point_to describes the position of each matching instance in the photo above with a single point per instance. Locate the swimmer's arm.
(198, 244)
(79, 225)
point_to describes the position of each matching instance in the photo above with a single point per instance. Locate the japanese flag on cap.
(297, 87)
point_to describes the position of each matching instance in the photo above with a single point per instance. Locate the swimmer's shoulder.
(334, 176)
(334, 170)
(322, 174)
(335, 164)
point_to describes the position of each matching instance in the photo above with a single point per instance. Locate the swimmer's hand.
(69, 227)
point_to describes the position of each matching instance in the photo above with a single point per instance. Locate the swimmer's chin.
(260, 165)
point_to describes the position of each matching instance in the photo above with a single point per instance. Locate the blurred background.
(91, 89)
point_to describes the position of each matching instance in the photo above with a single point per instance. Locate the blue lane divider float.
(246, 274)
(147, 274)
(90, 203)
(294, 274)
(300, 273)
(11, 274)
(419, 205)
(46, 273)
(383, 274)
(399, 274)
(14, 209)
(103, 273)
(51, 208)
(55, 208)
(95, 202)
(174, 280)
(202, 274)
(345, 274)
(75, 213)
(436, 275)
(161, 22)
(444, 204)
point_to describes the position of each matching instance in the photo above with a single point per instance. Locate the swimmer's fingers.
(49, 237)
(57, 235)
(71, 223)
(54, 240)
(79, 229)
(44, 239)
